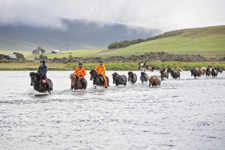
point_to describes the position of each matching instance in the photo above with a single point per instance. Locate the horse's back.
(50, 84)
(134, 78)
(86, 82)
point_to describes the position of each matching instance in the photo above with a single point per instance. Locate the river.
(182, 114)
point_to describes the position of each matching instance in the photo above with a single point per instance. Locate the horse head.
(142, 74)
(35, 77)
(74, 78)
(114, 76)
(140, 63)
(130, 74)
(150, 80)
(169, 69)
(93, 74)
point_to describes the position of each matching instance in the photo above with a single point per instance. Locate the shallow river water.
(186, 113)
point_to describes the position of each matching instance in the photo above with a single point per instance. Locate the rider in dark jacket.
(42, 71)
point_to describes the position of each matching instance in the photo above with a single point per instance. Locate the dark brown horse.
(132, 77)
(219, 69)
(154, 80)
(144, 77)
(119, 79)
(195, 72)
(168, 69)
(98, 79)
(175, 74)
(75, 82)
(38, 85)
(208, 72)
(214, 72)
(164, 74)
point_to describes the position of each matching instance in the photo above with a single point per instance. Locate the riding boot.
(84, 85)
(47, 87)
(83, 82)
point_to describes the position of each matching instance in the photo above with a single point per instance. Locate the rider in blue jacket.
(42, 71)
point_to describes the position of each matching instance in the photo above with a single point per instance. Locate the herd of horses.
(154, 80)
(196, 72)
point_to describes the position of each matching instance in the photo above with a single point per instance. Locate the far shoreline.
(112, 66)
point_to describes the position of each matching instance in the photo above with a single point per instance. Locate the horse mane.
(93, 71)
(130, 73)
(143, 73)
(115, 74)
(73, 75)
(33, 73)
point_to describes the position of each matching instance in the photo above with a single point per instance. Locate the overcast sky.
(160, 14)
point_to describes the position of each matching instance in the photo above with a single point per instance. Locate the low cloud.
(160, 14)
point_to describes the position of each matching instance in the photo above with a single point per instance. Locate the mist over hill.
(77, 34)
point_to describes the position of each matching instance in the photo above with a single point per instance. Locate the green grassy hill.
(206, 41)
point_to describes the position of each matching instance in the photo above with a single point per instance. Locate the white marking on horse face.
(142, 64)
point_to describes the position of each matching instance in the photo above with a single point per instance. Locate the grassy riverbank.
(109, 66)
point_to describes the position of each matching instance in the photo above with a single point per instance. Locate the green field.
(74, 53)
(207, 41)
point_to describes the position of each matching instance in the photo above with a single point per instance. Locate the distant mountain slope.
(79, 35)
(207, 40)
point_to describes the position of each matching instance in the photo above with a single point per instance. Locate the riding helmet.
(100, 61)
(80, 63)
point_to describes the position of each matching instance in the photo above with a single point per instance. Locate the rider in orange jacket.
(101, 71)
(80, 71)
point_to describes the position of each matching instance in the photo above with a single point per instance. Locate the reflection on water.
(186, 113)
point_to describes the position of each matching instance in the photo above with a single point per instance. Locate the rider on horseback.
(80, 71)
(101, 71)
(42, 71)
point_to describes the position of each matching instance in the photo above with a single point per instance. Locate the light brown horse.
(179, 69)
(142, 65)
(203, 70)
(75, 82)
(154, 80)
(151, 68)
